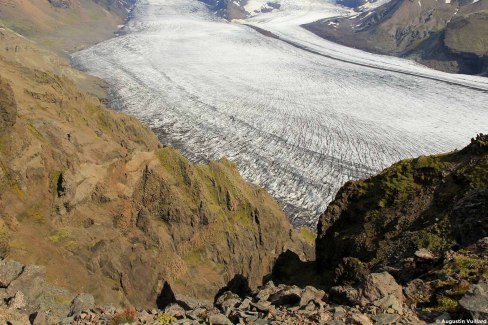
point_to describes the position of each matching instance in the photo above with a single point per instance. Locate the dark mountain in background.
(445, 35)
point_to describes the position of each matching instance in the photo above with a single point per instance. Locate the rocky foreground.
(27, 298)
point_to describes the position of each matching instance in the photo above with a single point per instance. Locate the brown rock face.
(93, 196)
(8, 108)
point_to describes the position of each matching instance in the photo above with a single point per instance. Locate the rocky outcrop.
(94, 197)
(423, 220)
(269, 304)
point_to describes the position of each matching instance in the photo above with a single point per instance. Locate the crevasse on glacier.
(298, 118)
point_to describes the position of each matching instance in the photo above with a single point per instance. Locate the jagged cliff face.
(424, 208)
(445, 35)
(93, 196)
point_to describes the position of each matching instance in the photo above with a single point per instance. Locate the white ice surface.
(299, 118)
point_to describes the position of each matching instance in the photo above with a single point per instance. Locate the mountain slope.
(94, 197)
(416, 211)
(446, 35)
(64, 25)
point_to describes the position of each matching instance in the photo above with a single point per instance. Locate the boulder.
(9, 271)
(379, 285)
(227, 300)
(219, 319)
(287, 296)
(18, 301)
(175, 311)
(30, 282)
(311, 294)
(424, 254)
(475, 301)
(81, 302)
(385, 319)
(359, 319)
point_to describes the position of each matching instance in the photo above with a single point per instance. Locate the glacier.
(299, 115)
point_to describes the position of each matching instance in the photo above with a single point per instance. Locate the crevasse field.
(299, 115)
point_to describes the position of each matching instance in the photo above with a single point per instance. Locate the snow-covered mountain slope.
(300, 115)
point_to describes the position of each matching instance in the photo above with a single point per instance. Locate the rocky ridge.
(423, 220)
(95, 198)
(444, 35)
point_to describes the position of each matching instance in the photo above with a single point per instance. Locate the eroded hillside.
(92, 195)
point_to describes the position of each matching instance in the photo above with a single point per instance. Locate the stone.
(245, 304)
(9, 271)
(286, 296)
(67, 321)
(197, 314)
(443, 317)
(30, 282)
(81, 302)
(379, 285)
(219, 319)
(18, 301)
(475, 301)
(359, 319)
(389, 302)
(144, 316)
(339, 312)
(344, 295)
(227, 300)
(424, 254)
(41, 318)
(175, 310)
(335, 322)
(418, 291)
(385, 319)
(311, 294)
(268, 289)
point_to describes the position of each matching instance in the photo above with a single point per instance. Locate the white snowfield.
(298, 115)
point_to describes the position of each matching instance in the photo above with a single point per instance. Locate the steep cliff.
(95, 198)
(423, 218)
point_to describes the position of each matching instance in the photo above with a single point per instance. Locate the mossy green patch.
(60, 235)
(308, 235)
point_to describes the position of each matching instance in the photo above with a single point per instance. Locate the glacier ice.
(299, 115)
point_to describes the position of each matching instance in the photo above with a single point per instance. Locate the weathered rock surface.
(92, 195)
(9, 271)
(424, 221)
(476, 301)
